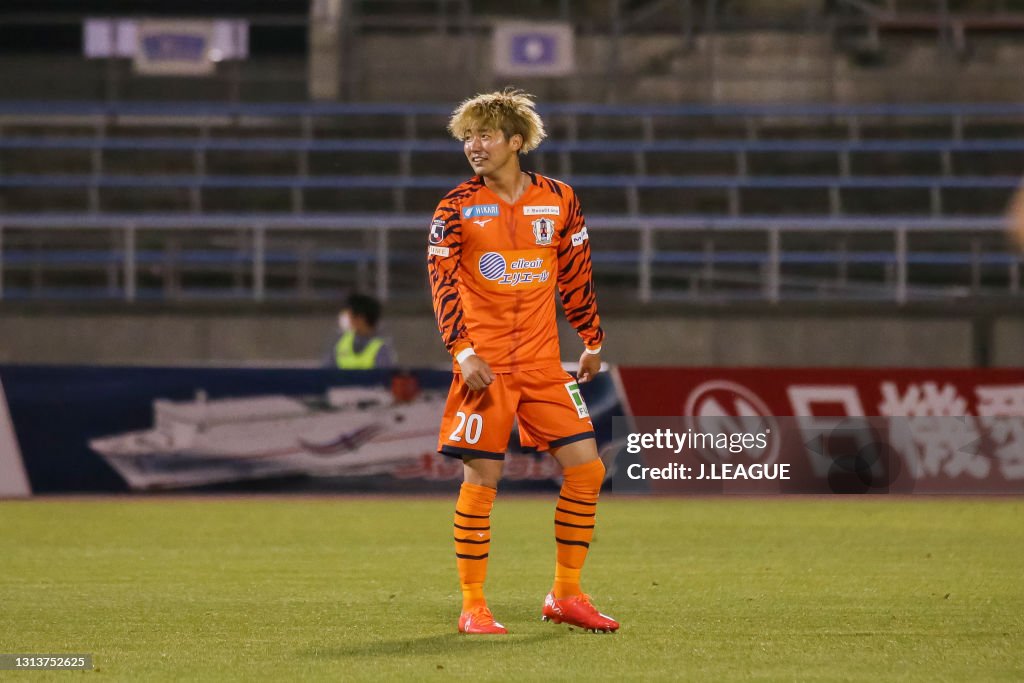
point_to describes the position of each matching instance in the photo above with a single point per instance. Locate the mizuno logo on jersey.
(480, 210)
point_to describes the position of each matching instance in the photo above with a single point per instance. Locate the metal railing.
(769, 259)
(306, 115)
(730, 188)
(645, 254)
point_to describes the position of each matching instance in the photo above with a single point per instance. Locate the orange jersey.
(494, 266)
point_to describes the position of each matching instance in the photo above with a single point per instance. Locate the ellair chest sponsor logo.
(521, 271)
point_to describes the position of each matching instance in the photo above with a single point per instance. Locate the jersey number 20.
(473, 426)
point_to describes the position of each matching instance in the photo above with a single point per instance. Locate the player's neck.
(508, 183)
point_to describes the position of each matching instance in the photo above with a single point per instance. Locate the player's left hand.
(590, 365)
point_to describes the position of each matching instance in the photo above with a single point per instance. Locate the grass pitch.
(365, 588)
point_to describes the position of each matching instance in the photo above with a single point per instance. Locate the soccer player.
(499, 244)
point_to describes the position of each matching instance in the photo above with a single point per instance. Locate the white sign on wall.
(167, 46)
(174, 48)
(534, 48)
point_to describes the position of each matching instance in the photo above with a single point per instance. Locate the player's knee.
(482, 472)
(489, 482)
(595, 473)
(588, 476)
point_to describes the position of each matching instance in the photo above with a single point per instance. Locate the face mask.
(344, 322)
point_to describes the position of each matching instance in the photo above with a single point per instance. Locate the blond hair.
(511, 111)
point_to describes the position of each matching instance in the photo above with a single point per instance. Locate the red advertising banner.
(930, 430)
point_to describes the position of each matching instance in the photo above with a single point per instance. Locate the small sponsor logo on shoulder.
(542, 210)
(436, 231)
(477, 210)
(439, 251)
(580, 237)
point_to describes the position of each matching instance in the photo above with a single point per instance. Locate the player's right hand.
(476, 373)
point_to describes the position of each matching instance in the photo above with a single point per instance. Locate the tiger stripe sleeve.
(576, 276)
(444, 254)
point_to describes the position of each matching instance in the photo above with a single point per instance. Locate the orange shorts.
(547, 402)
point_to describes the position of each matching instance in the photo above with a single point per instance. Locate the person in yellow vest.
(360, 347)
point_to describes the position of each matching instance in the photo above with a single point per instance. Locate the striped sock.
(575, 514)
(473, 540)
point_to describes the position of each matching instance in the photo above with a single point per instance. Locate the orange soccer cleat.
(577, 611)
(479, 621)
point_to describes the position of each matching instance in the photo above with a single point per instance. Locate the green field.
(365, 588)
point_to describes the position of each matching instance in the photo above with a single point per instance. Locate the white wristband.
(464, 354)
(593, 352)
